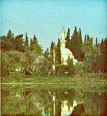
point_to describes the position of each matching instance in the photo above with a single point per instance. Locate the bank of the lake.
(86, 82)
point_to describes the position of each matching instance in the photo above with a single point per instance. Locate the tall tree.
(85, 39)
(101, 41)
(34, 45)
(104, 54)
(80, 36)
(18, 43)
(26, 41)
(76, 47)
(52, 47)
(96, 42)
(46, 53)
(68, 34)
(88, 44)
(68, 39)
(9, 40)
(10, 35)
(58, 53)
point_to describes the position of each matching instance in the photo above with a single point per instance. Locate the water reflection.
(57, 102)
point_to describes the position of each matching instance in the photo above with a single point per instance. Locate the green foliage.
(10, 42)
(26, 43)
(46, 53)
(96, 42)
(4, 64)
(80, 36)
(58, 53)
(18, 53)
(68, 34)
(34, 45)
(12, 60)
(68, 39)
(88, 45)
(10, 35)
(29, 57)
(62, 70)
(52, 50)
(76, 45)
(18, 43)
(104, 55)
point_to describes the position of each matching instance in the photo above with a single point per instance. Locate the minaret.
(62, 38)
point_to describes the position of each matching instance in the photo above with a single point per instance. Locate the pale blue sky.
(46, 17)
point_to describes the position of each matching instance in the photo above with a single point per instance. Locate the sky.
(45, 18)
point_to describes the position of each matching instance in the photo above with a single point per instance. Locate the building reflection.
(55, 102)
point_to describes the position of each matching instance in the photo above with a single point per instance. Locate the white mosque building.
(65, 52)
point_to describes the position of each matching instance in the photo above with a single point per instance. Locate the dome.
(66, 51)
(65, 54)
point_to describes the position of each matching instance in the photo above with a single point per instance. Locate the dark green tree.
(46, 53)
(10, 42)
(88, 45)
(96, 42)
(68, 34)
(18, 43)
(76, 46)
(104, 55)
(26, 44)
(85, 39)
(10, 35)
(7, 41)
(68, 40)
(80, 36)
(52, 48)
(3, 43)
(34, 45)
(58, 53)
(101, 41)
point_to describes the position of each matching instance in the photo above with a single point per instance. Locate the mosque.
(65, 52)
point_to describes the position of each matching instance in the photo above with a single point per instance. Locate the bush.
(64, 70)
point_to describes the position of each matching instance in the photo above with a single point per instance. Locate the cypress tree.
(104, 55)
(10, 35)
(52, 46)
(51, 50)
(46, 53)
(58, 53)
(68, 34)
(73, 41)
(34, 45)
(9, 39)
(101, 41)
(85, 39)
(76, 45)
(18, 43)
(26, 41)
(96, 43)
(68, 39)
(80, 36)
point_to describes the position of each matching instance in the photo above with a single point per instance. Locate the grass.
(88, 82)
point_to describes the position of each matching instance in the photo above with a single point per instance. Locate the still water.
(28, 101)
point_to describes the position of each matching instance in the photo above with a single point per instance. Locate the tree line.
(91, 55)
(25, 52)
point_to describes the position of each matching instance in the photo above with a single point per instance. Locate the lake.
(24, 100)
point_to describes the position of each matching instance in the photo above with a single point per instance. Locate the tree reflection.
(39, 102)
